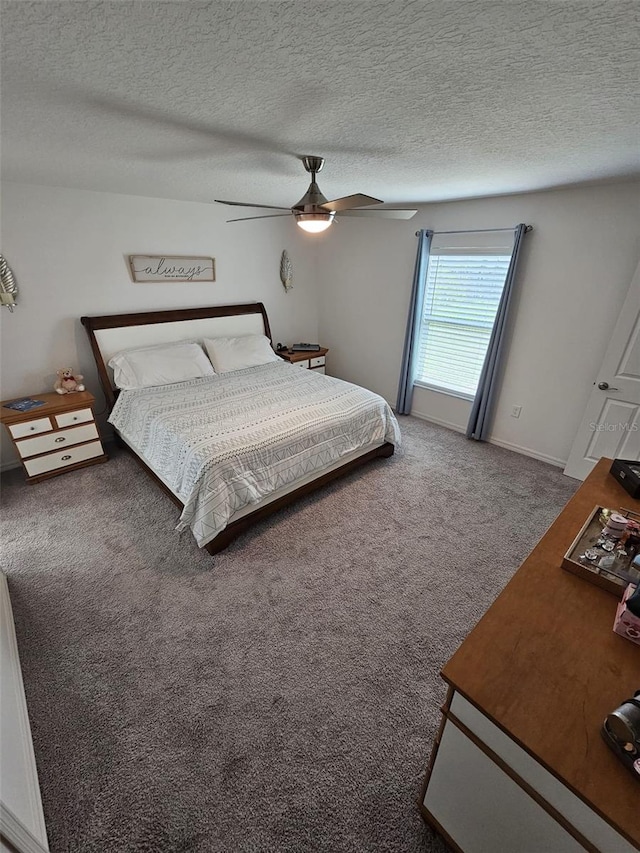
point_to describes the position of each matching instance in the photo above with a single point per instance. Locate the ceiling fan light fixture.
(314, 214)
(314, 223)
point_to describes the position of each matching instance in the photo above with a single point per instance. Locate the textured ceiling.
(408, 101)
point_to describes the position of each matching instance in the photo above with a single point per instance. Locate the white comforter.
(224, 442)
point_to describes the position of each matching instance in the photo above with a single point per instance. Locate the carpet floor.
(281, 696)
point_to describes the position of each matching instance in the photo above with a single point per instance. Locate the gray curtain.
(407, 371)
(482, 409)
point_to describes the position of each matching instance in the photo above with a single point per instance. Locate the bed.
(234, 447)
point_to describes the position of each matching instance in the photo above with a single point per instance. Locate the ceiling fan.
(314, 213)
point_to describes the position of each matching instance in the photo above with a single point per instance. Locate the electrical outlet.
(515, 411)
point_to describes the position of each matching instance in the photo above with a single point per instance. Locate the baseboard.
(17, 834)
(438, 421)
(527, 451)
(508, 445)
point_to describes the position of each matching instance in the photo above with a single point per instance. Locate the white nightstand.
(57, 437)
(314, 360)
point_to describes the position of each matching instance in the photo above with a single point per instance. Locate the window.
(462, 292)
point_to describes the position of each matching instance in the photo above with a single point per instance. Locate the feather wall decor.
(286, 271)
(8, 286)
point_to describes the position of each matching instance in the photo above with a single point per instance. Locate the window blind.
(462, 293)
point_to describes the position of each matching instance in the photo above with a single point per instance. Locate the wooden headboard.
(114, 333)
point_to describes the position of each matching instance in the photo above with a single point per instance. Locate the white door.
(611, 423)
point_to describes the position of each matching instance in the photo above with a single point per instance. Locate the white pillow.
(237, 353)
(159, 365)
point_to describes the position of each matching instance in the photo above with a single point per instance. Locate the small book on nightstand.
(24, 405)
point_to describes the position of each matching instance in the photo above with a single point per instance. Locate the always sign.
(171, 268)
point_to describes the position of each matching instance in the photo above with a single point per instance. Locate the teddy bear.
(68, 382)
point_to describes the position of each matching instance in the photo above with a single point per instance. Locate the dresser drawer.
(304, 363)
(62, 459)
(544, 783)
(30, 427)
(483, 809)
(80, 416)
(318, 361)
(56, 440)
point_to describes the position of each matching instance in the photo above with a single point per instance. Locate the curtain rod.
(481, 230)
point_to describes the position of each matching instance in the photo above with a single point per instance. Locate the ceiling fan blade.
(349, 201)
(388, 213)
(265, 216)
(249, 204)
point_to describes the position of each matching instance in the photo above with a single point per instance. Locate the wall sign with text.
(171, 268)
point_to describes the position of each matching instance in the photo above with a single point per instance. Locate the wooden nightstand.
(314, 360)
(60, 436)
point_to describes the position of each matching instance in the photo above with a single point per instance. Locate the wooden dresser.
(519, 764)
(57, 437)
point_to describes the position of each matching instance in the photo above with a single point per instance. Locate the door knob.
(604, 386)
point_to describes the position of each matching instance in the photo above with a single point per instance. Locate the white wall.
(67, 250)
(351, 291)
(576, 268)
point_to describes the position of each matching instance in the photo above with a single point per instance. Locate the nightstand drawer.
(317, 362)
(63, 459)
(304, 363)
(56, 440)
(30, 427)
(80, 416)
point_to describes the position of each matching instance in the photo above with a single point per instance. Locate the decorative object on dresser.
(518, 763)
(68, 382)
(315, 359)
(605, 549)
(627, 624)
(627, 473)
(57, 436)
(621, 733)
(178, 268)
